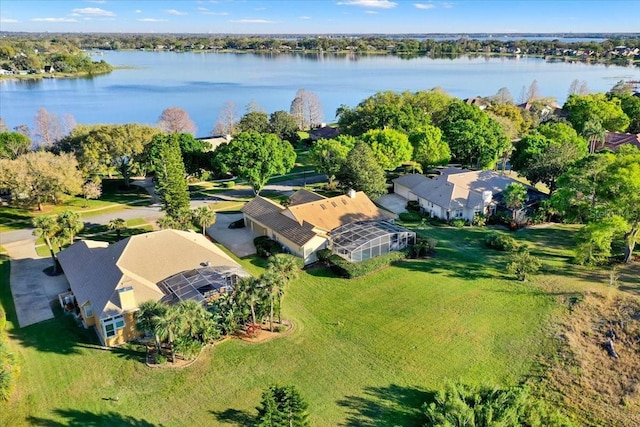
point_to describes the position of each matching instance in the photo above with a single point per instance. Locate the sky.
(320, 16)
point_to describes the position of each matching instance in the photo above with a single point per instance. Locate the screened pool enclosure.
(359, 241)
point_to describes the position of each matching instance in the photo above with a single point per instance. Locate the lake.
(201, 83)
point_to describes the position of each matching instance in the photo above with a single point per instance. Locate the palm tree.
(70, 224)
(272, 284)
(167, 328)
(47, 227)
(204, 217)
(166, 222)
(285, 268)
(251, 288)
(193, 318)
(117, 224)
(595, 133)
(147, 318)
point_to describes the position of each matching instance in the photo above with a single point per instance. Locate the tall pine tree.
(282, 406)
(171, 178)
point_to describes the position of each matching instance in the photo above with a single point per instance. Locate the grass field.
(364, 352)
(112, 200)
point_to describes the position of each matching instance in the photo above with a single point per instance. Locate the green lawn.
(113, 199)
(363, 352)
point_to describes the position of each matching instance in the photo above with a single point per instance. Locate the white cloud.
(138, 11)
(205, 11)
(371, 12)
(380, 4)
(447, 5)
(54, 20)
(252, 21)
(304, 17)
(92, 11)
(175, 12)
(424, 5)
(152, 20)
(96, 1)
(8, 21)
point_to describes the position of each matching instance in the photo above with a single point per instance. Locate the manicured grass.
(113, 199)
(363, 352)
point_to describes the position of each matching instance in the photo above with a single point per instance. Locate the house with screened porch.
(351, 225)
(109, 282)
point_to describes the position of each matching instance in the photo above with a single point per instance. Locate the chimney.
(351, 193)
(127, 298)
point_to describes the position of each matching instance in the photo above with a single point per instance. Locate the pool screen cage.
(362, 240)
(200, 284)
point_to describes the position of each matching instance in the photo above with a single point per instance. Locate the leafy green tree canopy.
(40, 176)
(100, 148)
(428, 147)
(282, 406)
(546, 153)
(327, 157)
(361, 172)
(583, 108)
(13, 144)
(473, 137)
(284, 125)
(390, 147)
(254, 121)
(604, 192)
(255, 157)
(401, 111)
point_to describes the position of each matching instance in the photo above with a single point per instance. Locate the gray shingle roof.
(410, 180)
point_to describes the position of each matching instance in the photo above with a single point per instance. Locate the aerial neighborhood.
(416, 259)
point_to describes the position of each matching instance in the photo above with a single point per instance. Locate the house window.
(88, 311)
(111, 325)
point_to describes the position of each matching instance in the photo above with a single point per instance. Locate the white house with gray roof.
(454, 194)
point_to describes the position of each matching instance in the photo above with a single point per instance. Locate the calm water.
(201, 83)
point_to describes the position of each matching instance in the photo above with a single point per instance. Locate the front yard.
(363, 352)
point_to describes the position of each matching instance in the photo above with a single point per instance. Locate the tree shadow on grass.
(62, 335)
(235, 417)
(77, 418)
(391, 405)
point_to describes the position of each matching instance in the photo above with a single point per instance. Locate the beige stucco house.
(109, 282)
(308, 223)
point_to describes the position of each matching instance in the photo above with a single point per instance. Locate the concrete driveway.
(33, 291)
(393, 202)
(237, 240)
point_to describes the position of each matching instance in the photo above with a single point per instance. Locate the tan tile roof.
(333, 212)
(304, 196)
(96, 272)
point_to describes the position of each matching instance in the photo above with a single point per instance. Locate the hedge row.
(265, 247)
(8, 364)
(350, 270)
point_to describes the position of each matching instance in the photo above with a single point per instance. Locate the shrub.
(458, 223)
(499, 218)
(265, 247)
(3, 324)
(479, 220)
(238, 224)
(229, 184)
(160, 358)
(413, 206)
(350, 270)
(324, 255)
(410, 217)
(522, 264)
(501, 242)
(423, 247)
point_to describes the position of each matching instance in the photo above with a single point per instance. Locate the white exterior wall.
(403, 191)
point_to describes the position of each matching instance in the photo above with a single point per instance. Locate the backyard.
(364, 352)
